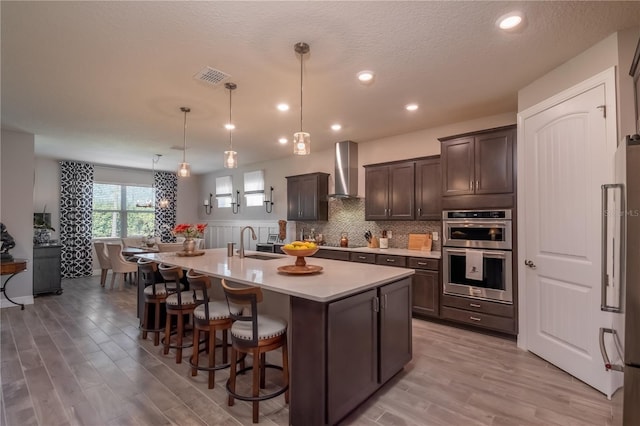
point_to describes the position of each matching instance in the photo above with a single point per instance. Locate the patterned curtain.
(76, 209)
(166, 184)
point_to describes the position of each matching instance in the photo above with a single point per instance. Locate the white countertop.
(393, 251)
(336, 280)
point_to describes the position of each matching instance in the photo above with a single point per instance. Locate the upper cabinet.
(427, 190)
(478, 169)
(403, 190)
(389, 191)
(307, 197)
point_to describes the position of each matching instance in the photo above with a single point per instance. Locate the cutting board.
(420, 242)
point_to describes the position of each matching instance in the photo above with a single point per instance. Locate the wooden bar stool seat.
(255, 334)
(209, 317)
(178, 305)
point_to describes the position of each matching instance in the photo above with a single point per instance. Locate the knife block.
(374, 243)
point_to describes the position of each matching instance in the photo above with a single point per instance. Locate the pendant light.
(301, 139)
(230, 156)
(163, 203)
(184, 169)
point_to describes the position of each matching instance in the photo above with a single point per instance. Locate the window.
(224, 189)
(254, 188)
(122, 210)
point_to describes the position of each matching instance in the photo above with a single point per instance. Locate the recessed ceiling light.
(283, 107)
(411, 107)
(510, 21)
(366, 76)
(229, 126)
(283, 141)
(336, 127)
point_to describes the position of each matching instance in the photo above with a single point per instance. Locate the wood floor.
(78, 358)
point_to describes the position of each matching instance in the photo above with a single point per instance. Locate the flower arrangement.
(189, 231)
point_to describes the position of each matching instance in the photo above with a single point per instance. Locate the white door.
(567, 156)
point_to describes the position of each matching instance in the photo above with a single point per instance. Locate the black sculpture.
(7, 244)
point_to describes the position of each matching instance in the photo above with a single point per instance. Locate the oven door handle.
(467, 224)
(497, 254)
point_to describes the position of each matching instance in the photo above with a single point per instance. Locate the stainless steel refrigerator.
(620, 344)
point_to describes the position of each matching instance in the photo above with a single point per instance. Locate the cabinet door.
(401, 191)
(395, 328)
(428, 205)
(376, 200)
(352, 353)
(293, 201)
(308, 197)
(457, 167)
(494, 162)
(425, 293)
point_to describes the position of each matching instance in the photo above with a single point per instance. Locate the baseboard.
(25, 300)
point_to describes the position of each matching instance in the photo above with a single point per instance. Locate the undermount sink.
(260, 257)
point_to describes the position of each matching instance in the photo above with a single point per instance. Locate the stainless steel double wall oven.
(483, 237)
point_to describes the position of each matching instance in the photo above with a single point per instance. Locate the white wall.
(627, 42)
(16, 208)
(46, 191)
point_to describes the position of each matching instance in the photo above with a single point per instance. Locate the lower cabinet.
(353, 346)
(47, 275)
(332, 254)
(425, 286)
(480, 313)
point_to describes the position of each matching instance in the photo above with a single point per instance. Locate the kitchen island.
(349, 330)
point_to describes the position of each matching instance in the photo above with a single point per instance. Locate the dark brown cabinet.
(395, 328)
(332, 254)
(427, 189)
(307, 197)
(480, 313)
(425, 286)
(47, 277)
(389, 191)
(479, 166)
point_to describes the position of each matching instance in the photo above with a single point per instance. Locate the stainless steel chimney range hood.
(346, 176)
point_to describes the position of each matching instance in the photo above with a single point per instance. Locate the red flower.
(189, 231)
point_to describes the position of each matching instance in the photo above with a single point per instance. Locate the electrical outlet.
(389, 234)
(434, 235)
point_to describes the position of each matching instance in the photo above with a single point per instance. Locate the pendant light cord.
(301, 57)
(230, 122)
(184, 141)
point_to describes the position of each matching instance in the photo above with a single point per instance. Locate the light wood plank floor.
(78, 358)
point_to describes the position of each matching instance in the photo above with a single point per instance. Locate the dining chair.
(119, 265)
(103, 260)
(255, 334)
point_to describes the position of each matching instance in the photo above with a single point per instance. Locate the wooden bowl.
(300, 254)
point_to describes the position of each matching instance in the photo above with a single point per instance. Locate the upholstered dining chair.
(103, 260)
(120, 265)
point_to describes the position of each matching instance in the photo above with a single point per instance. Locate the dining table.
(132, 251)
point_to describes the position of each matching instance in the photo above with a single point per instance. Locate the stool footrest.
(277, 392)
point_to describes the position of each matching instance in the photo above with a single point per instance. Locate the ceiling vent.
(211, 76)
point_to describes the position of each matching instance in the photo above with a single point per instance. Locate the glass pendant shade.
(184, 170)
(230, 159)
(163, 204)
(301, 143)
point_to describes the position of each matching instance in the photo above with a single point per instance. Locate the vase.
(189, 245)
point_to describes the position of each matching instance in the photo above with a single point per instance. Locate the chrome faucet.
(253, 237)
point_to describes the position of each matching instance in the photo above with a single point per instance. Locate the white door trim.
(606, 78)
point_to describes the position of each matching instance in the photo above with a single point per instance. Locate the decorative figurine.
(7, 244)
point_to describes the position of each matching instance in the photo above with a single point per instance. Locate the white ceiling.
(104, 81)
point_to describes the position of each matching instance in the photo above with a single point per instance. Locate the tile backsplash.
(347, 215)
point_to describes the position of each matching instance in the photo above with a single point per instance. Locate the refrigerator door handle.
(604, 303)
(603, 349)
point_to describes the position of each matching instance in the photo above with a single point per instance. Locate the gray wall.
(16, 208)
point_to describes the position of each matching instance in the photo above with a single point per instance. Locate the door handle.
(604, 279)
(603, 349)
(530, 264)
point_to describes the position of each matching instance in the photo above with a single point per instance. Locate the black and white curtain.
(76, 209)
(166, 184)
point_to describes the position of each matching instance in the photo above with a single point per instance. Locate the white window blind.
(224, 189)
(254, 188)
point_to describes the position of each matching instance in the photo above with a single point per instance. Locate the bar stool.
(209, 317)
(255, 334)
(154, 294)
(178, 304)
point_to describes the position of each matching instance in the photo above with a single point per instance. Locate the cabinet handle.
(477, 184)
(376, 304)
(419, 211)
(389, 212)
(471, 185)
(422, 263)
(475, 305)
(391, 260)
(475, 319)
(362, 257)
(384, 302)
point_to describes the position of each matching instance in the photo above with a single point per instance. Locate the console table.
(12, 268)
